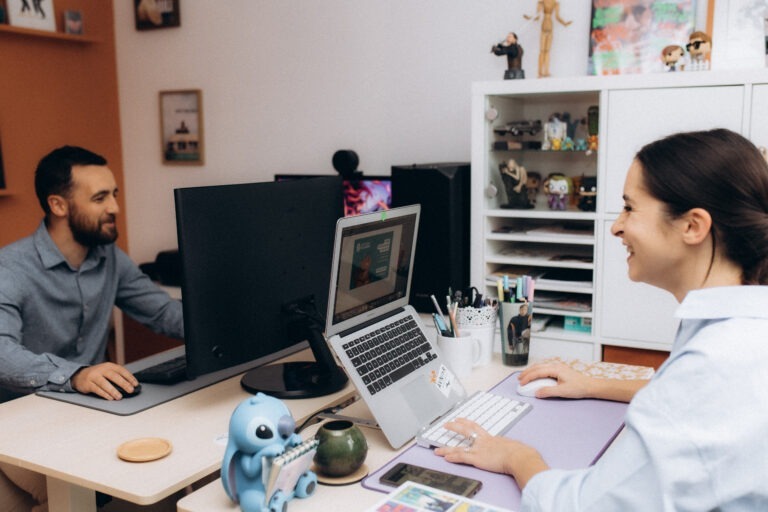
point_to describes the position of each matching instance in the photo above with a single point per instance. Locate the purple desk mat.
(569, 434)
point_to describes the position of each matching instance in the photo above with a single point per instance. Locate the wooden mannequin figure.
(548, 7)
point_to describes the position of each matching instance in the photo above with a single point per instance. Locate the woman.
(695, 223)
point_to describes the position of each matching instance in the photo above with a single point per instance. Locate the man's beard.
(88, 235)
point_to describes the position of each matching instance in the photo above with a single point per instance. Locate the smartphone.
(402, 472)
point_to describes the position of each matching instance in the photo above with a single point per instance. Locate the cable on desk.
(329, 410)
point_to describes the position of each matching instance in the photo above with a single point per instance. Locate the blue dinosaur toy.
(260, 427)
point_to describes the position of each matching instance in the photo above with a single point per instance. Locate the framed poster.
(628, 36)
(181, 127)
(151, 14)
(36, 14)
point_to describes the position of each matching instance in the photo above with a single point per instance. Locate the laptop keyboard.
(386, 355)
(168, 372)
(495, 413)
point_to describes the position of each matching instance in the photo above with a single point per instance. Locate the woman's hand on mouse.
(574, 384)
(100, 379)
(493, 453)
(570, 383)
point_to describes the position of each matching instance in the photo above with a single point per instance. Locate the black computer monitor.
(361, 194)
(256, 262)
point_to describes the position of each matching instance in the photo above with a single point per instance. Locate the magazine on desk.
(413, 497)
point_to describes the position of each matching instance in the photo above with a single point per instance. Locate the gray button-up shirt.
(54, 319)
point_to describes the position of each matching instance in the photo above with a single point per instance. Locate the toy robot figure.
(588, 194)
(515, 178)
(557, 188)
(514, 53)
(260, 427)
(555, 130)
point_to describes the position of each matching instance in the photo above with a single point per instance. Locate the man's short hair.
(54, 172)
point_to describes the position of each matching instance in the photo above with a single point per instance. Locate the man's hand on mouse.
(570, 383)
(101, 379)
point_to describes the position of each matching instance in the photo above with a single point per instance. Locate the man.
(59, 285)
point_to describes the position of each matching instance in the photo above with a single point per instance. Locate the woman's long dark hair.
(725, 174)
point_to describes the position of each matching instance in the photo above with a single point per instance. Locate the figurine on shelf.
(533, 184)
(673, 57)
(547, 8)
(588, 194)
(557, 188)
(568, 144)
(514, 53)
(554, 130)
(700, 50)
(515, 178)
(580, 145)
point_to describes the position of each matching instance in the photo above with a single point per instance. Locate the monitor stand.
(300, 379)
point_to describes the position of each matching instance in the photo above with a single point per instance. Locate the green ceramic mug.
(342, 448)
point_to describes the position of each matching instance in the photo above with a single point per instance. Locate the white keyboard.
(495, 413)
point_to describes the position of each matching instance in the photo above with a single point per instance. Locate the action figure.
(515, 178)
(555, 130)
(548, 7)
(514, 53)
(557, 188)
(532, 184)
(700, 50)
(260, 429)
(673, 57)
(588, 194)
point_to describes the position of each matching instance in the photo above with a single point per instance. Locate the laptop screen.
(373, 261)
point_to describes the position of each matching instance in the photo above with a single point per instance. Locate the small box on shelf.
(577, 324)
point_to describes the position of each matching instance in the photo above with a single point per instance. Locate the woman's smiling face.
(653, 241)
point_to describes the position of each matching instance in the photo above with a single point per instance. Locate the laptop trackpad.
(425, 401)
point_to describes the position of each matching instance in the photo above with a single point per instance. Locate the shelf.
(540, 213)
(29, 32)
(6, 192)
(544, 239)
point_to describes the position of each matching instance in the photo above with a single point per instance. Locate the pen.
(500, 289)
(437, 308)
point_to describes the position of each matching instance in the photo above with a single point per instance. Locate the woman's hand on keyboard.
(493, 453)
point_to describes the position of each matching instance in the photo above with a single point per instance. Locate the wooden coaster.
(144, 450)
(352, 478)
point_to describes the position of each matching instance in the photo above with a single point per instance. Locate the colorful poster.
(629, 36)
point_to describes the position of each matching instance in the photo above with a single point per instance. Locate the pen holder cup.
(461, 354)
(479, 323)
(515, 326)
(342, 449)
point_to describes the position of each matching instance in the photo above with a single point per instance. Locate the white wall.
(287, 83)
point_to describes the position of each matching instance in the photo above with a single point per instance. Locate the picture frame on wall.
(152, 14)
(34, 14)
(628, 36)
(181, 127)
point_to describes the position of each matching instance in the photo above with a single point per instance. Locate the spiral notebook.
(284, 471)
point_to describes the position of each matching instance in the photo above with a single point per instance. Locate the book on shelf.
(283, 472)
(563, 302)
(413, 497)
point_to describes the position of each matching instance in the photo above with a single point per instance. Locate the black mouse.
(136, 390)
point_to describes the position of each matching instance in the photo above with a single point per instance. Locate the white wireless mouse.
(533, 386)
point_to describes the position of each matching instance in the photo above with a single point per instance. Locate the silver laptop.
(378, 338)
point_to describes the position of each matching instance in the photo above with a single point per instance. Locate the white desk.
(75, 447)
(355, 497)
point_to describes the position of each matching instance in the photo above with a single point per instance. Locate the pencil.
(452, 314)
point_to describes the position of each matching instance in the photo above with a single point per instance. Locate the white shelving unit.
(633, 110)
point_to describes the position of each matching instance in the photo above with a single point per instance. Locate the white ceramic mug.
(460, 354)
(485, 336)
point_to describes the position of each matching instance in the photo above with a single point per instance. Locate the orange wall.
(55, 92)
